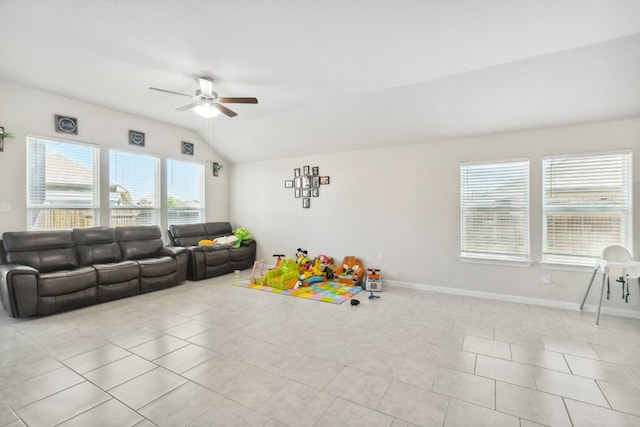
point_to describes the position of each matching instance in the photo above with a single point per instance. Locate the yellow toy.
(302, 260)
(284, 276)
(314, 273)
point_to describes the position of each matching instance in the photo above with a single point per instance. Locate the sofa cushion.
(154, 267)
(137, 242)
(45, 251)
(218, 257)
(117, 272)
(96, 245)
(217, 229)
(187, 234)
(66, 281)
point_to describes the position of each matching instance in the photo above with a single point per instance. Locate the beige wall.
(404, 202)
(25, 111)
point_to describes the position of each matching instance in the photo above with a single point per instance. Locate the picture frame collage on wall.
(306, 184)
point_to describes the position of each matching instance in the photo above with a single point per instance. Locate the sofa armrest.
(248, 242)
(173, 251)
(19, 289)
(181, 255)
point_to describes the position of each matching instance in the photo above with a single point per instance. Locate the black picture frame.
(66, 124)
(306, 192)
(315, 171)
(296, 172)
(324, 180)
(305, 170)
(315, 192)
(297, 193)
(297, 182)
(288, 183)
(187, 148)
(315, 181)
(306, 203)
(306, 181)
(136, 138)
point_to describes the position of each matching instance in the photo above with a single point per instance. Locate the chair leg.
(604, 276)
(593, 276)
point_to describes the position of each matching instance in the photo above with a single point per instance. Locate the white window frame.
(509, 206)
(584, 240)
(200, 209)
(152, 211)
(82, 208)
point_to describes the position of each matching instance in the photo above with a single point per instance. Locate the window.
(62, 184)
(134, 189)
(185, 192)
(586, 206)
(494, 210)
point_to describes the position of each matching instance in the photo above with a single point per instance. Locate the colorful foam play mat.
(331, 292)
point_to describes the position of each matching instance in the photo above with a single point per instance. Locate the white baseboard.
(572, 306)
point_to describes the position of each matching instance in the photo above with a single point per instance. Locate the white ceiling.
(335, 75)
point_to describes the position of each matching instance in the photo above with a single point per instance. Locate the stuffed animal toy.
(326, 265)
(240, 234)
(350, 272)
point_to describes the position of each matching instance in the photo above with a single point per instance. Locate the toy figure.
(302, 260)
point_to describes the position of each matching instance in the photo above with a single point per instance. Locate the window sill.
(500, 262)
(566, 267)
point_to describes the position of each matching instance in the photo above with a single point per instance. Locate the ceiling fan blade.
(239, 100)
(170, 91)
(225, 110)
(206, 85)
(188, 106)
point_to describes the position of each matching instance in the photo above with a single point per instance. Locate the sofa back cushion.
(187, 234)
(140, 241)
(217, 229)
(46, 251)
(97, 245)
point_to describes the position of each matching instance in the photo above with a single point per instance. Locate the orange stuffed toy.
(350, 272)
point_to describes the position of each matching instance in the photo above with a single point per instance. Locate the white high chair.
(616, 261)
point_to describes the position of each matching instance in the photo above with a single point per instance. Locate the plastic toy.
(351, 272)
(373, 282)
(278, 259)
(312, 274)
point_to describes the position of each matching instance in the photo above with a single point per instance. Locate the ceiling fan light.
(206, 110)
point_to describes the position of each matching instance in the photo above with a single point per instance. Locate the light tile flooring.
(208, 353)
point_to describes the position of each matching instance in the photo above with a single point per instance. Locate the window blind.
(134, 189)
(62, 184)
(185, 192)
(494, 210)
(586, 206)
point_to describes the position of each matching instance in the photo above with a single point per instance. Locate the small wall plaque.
(68, 125)
(136, 138)
(187, 148)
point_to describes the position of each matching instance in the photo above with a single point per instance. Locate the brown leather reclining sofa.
(214, 260)
(57, 270)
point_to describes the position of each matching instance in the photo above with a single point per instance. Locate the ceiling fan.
(207, 103)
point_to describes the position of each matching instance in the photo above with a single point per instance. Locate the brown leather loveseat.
(57, 270)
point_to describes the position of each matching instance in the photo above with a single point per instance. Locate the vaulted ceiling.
(334, 75)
